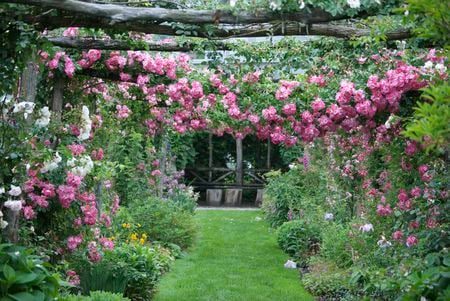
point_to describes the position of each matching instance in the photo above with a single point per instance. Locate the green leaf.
(39, 296)
(447, 261)
(9, 273)
(23, 296)
(25, 278)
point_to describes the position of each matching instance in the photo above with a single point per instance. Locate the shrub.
(131, 269)
(335, 245)
(296, 191)
(101, 276)
(161, 220)
(96, 296)
(24, 276)
(328, 282)
(142, 266)
(427, 278)
(299, 239)
(185, 200)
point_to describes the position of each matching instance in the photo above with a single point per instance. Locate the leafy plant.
(142, 266)
(334, 246)
(429, 124)
(297, 191)
(101, 276)
(299, 239)
(95, 296)
(328, 281)
(24, 276)
(161, 220)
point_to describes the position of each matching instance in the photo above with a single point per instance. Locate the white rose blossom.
(274, 6)
(440, 68)
(81, 166)
(3, 224)
(25, 107)
(51, 165)
(86, 124)
(366, 228)
(354, 3)
(44, 118)
(15, 190)
(13, 205)
(388, 122)
(301, 4)
(428, 65)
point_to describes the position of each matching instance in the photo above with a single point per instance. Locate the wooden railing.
(215, 178)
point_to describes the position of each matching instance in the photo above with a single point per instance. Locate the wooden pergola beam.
(339, 31)
(86, 43)
(121, 14)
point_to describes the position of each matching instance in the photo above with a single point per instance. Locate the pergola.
(214, 25)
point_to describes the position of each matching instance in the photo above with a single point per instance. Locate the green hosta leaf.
(23, 296)
(9, 273)
(446, 261)
(26, 278)
(38, 295)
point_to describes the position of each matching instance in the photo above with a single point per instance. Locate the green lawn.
(235, 258)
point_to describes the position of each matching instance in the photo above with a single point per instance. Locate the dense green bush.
(299, 239)
(161, 220)
(296, 192)
(328, 281)
(428, 278)
(131, 269)
(142, 266)
(185, 200)
(95, 296)
(101, 277)
(335, 245)
(24, 276)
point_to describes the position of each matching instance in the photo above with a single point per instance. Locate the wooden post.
(210, 162)
(163, 163)
(28, 82)
(98, 200)
(27, 92)
(239, 163)
(259, 197)
(58, 93)
(268, 153)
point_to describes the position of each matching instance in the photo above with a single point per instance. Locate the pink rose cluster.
(285, 89)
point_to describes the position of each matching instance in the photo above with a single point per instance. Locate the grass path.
(235, 258)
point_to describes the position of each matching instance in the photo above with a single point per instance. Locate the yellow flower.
(144, 236)
(142, 241)
(128, 225)
(124, 225)
(139, 225)
(112, 238)
(133, 236)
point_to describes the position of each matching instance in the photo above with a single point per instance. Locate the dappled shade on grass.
(235, 258)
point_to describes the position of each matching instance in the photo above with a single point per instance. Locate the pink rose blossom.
(397, 235)
(411, 241)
